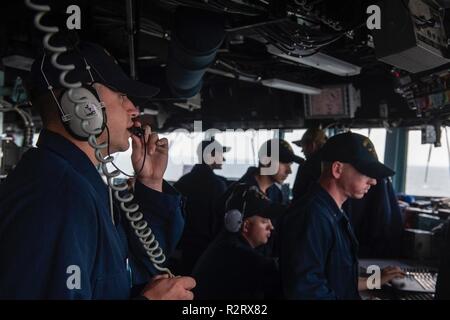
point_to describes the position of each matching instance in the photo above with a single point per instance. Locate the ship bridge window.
(428, 167)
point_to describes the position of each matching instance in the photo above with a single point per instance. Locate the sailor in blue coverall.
(58, 239)
(318, 257)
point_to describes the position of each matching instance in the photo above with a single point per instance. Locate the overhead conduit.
(195, 39)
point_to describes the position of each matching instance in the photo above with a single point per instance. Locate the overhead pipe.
(195, 39)
(131, 30)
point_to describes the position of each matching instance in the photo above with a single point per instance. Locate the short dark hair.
(326, 167)
(45, 105)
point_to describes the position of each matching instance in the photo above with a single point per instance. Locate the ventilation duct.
(196, 37)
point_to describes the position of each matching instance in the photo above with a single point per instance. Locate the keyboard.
(416, 280)
(415, 296)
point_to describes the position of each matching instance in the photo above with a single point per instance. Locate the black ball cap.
(103, 67)
(358, 151)
(285, 152)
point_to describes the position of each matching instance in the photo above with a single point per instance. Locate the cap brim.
(298, 160)
(292, 158)
(298, 142)
(134, 88)
(374, 169)
(272, 211)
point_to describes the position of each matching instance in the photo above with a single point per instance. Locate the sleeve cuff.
(167, 200)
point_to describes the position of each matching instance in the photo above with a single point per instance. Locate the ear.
(99, 88)
(245, 226)
(336, 169)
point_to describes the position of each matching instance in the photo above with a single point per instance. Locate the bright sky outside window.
(436, 180)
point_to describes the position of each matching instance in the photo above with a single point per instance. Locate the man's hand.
(389, 273)
(156, 158)
(162, 287)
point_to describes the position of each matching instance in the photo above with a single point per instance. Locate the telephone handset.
(131, 210)
(137, 131)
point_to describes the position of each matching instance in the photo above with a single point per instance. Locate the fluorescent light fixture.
(18, 62)
(231, 75)
(191, 104)
(273, 83)
(320, 61)
(290, 86)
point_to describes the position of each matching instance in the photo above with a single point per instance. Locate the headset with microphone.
(93, 109)
(93, 114)
(234, 218)
(82, 112)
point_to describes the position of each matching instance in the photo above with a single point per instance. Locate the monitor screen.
(331, 103)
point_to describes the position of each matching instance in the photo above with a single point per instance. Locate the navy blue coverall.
(318, 250)
(201, 188)
(57, 239)
(231, 269)
(308, 173)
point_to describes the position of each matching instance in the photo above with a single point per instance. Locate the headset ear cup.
(233, 220)
(92, 107)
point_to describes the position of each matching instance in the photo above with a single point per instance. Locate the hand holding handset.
(149, 156)
(164, 287)
(137, 131)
